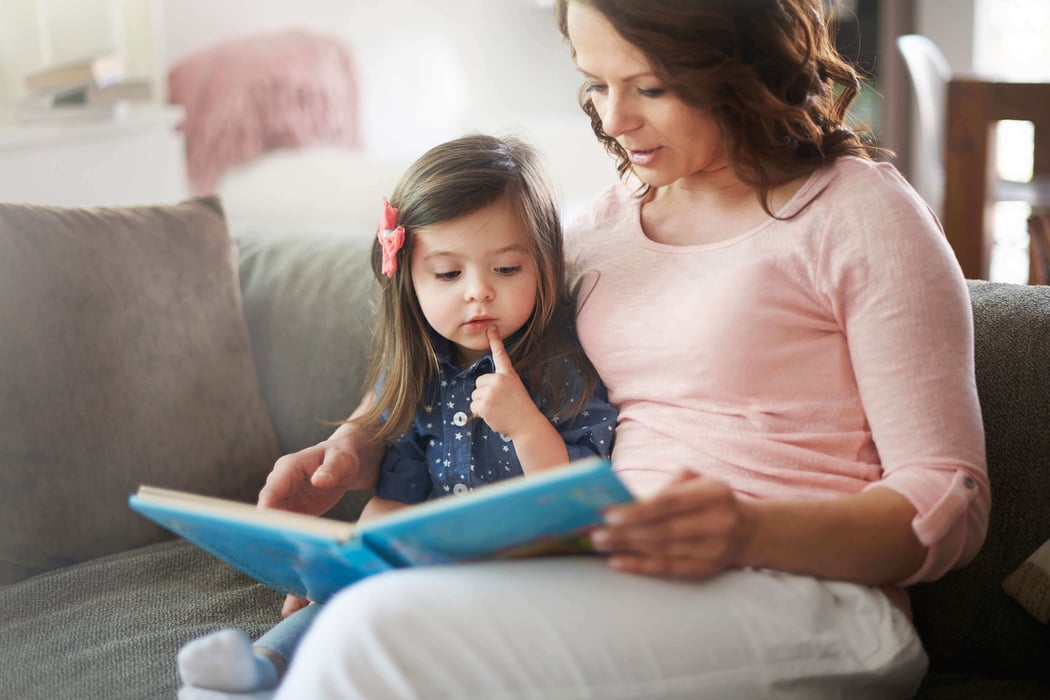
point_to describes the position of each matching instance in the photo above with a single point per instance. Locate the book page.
(247, 512)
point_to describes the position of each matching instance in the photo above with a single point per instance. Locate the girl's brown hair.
(768, 71)
(449, 181)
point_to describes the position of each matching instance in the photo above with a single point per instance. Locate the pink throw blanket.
(246, 97)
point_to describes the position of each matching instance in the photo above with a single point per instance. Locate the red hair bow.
(391, 238)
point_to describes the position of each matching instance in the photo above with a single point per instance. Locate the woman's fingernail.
(614, 517)
(600, 540)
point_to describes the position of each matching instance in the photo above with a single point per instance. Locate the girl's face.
(666, 139)
(474, 272)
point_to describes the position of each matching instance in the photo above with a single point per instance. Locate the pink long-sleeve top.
(809, 357)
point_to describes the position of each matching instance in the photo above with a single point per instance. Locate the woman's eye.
(595, 88)
(651, 92)
(447, 276)
(508, 270)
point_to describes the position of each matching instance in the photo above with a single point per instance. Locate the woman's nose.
(617, 115)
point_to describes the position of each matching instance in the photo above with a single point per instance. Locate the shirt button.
(459, 488)
(969, 483)
(460, 419)
(504, 438)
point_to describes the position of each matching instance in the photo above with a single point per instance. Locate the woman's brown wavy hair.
(768, 71)
(449, 181)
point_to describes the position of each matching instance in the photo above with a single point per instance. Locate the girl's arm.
(378, 507)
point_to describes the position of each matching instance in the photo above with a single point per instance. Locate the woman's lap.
(572, 628)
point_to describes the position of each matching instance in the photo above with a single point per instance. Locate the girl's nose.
(479, 289)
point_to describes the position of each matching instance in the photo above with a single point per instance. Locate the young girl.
(468, 257)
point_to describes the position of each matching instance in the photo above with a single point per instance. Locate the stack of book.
(94, 87)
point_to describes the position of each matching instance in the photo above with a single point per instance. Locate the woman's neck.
(716, 207)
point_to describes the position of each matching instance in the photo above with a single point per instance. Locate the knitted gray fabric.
(124, 359)
(968, 623)
(110, 628)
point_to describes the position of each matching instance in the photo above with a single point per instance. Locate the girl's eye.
(508, 270)
(651, 92)
(446, 276)
(595, 88)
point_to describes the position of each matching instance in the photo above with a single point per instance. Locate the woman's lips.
(642, 157)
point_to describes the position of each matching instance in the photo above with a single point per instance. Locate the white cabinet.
(136, 159)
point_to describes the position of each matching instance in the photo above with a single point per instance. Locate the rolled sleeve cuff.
(952, 518)
(592, 430)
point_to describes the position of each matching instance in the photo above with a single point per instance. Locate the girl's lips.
(643, 157)
(477, 325)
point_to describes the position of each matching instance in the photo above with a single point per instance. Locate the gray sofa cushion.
(306, 299)
(968, 623)
(124, 359)
(110, 628)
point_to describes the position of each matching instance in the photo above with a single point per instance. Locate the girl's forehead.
(491, 229)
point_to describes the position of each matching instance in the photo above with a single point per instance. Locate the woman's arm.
(696, 527)
(865, 538)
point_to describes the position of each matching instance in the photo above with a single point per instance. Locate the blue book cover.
(312, 557)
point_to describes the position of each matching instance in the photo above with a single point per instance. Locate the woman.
(788, 339)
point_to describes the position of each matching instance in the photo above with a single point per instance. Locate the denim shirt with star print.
(447, 451)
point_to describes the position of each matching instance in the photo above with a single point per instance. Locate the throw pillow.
(124, 359)
(1029, 584)
(263, 92)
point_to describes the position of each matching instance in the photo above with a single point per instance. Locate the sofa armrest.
(967, 622)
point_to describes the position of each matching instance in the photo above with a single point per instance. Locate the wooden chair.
(1039, 247)
(954, 167)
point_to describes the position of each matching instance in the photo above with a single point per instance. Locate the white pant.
(573, 628)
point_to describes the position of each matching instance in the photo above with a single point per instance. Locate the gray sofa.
(146, 346)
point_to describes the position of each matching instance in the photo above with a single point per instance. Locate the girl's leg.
(226, 660)
(573, 628)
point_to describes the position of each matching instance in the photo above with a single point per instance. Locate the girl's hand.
(694, 527)
(500, 399)
(293, 604)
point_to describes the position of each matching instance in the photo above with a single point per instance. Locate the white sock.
(224, 661)
(188, 692)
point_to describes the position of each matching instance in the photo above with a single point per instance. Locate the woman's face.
(666, 139)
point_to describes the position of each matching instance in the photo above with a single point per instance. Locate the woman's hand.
(694, 527)
(313, 479)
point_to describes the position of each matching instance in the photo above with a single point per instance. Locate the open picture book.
(313, 557)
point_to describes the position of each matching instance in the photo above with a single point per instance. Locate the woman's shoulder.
(854, 192)
(863, 179)
(610, 203)
(863, 215)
